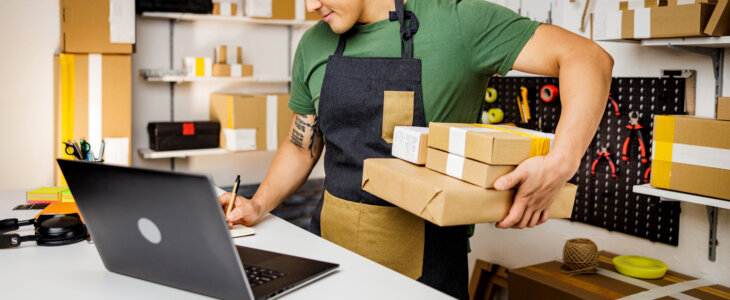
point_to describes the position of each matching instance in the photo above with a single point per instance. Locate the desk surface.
(76, 270)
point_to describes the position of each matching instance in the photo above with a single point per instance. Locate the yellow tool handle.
(526, 103)
(522, 113)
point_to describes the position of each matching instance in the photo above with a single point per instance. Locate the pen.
(233, 195)
(101, 152)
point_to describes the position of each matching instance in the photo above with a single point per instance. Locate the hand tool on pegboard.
(647, 173)
(525, 104)
(604, 153)
(634, 127)
(614, 104)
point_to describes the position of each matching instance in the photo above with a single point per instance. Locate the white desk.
(77, 271)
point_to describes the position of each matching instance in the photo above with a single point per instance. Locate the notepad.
(239, 230)
(45, 195)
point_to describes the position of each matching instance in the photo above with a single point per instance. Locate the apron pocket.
(387, 235)
(397, 111)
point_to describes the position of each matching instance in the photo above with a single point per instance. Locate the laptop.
(169, 228)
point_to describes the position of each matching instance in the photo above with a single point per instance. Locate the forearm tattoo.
(302, 129)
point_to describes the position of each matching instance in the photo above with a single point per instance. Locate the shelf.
(181, 79)
(667, 195)
(151, 154)
(208, 17)
(710, 42)
(712, 206)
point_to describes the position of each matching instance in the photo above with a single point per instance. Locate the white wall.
(29, 34)
(516, 248)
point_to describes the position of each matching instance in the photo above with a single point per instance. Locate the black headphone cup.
(58, 231)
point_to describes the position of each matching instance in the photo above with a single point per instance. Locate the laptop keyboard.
(258, 276)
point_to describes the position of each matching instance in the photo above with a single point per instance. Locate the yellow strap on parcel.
(539, 145)
(68, 67)
(661, 166)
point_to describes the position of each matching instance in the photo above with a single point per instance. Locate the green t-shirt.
(461, 44)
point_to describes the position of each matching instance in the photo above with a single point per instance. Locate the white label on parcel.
(457, 138)
(407, 142)
(642, 23)
(240, 139)
(454, 165)
(258, 8)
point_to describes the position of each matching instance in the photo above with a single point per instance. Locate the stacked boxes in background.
(228, 62)
(251, 122)
(645, 19)
(270, 9)
(691, 155)
(225, 8)
(723, 108)
(462, 163)
(93, 78)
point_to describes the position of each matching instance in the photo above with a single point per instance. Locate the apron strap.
(406, 31)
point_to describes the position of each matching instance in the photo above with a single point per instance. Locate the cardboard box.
(313, 16)
(637, 4)
(228, 55)
(270, 9)
(685, 2)
(93, 100)
(719, 23)
(87, 27)
(606, 25)
(443, 200)
(410, 143)
(221, 70)
(488, 145)
(691, 155)
(465, 169)
(198, 66)
(251, 122)
(226, 9)
(238, 70)
(723, 108)
(546, 281)
(667, 21)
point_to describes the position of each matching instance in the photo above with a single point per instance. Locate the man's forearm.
(288, 171)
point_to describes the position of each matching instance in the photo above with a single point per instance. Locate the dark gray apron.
(351, 111)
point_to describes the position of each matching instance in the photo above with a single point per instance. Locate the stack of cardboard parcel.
(462, 161)
(93, 78)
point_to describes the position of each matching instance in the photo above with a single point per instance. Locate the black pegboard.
(602, 200)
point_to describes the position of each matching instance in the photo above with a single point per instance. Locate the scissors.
(85, 149)
(73, 149)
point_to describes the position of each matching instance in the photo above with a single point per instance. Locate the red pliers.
(615, 104)
(603, 153)
(646, 174)
(634, 126)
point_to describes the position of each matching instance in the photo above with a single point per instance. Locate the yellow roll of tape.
(491, 95)
(640, 267)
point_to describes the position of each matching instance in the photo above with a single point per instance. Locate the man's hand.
(244, 212)
(539, 180)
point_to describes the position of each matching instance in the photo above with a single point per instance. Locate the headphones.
(50, 230)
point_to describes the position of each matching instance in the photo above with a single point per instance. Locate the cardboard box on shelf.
(226, 9)
(228, 55)
(666, 22)
(492, 145)
(723, 108)
(465, 169)
(637, 4)
(691, 155)
(685, 2)
(443, 200)
(251, 122)
(88, 27)
(547, 281)
(719, 23)
(93, 99)
(313, 16)
(238, 70)
(410, 143)
(198, 66)
(270, 9)
(221, 70)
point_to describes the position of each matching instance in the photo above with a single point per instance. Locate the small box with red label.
(165, 136)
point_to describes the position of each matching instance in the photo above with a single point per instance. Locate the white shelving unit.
(183, 79)
(151, 154)
(712, 206)
(207, 17)
(172, 80)
(711, 42)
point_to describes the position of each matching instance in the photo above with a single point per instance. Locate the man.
(428, 60)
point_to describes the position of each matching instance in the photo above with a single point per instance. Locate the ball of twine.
(579, 256)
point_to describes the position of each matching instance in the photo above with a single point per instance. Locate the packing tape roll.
(491, 95)
(548, 92)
